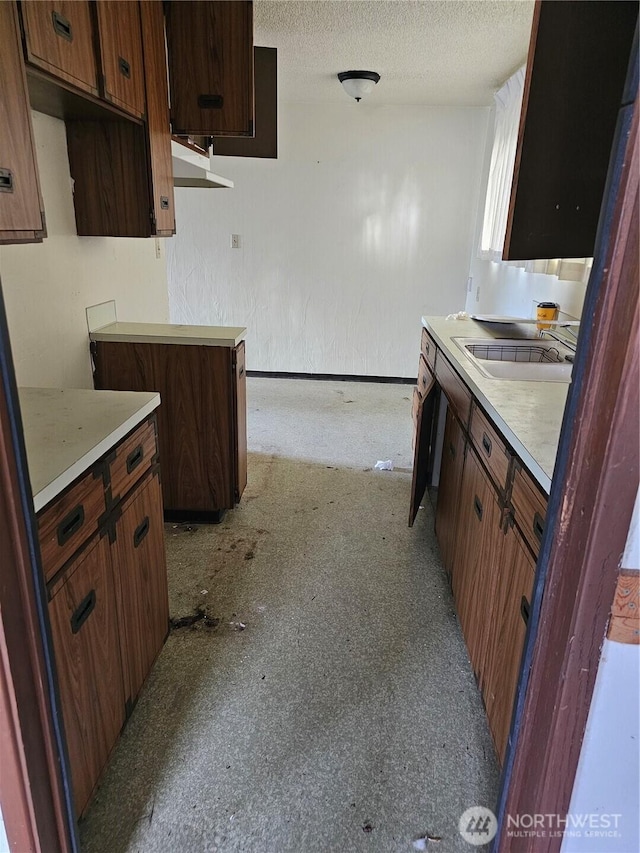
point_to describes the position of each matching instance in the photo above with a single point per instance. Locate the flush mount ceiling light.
(358, 83)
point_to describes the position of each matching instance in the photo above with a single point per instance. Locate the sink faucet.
(569, 338)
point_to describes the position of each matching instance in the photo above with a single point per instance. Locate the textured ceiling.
(435, 52)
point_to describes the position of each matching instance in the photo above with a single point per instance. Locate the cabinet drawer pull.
(164, 202)
(477, 505)
(135, 458)
(241, 372)
(486, 443)
(125, 68)
(210, 102)
(83, 611)
(524, 609)
(70, 524)
(452, 450)
(538, 526)
(6, 181)
(141, 531)
(62, 26)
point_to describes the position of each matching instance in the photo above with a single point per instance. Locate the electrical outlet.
(235, 241)
(478, 293)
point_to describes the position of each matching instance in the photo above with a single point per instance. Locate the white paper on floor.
(382, 465)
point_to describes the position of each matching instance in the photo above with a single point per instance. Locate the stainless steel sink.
(530, 359)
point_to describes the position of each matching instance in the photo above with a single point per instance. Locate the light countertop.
(66, 431)
(528, 414)
(168, 333)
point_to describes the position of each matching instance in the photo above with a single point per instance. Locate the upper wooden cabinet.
(264, 142)
(576, 71)
(21, 210)
(58, 38)
(121, 54)
(211, 73)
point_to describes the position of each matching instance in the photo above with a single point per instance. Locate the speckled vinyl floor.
(332, 707)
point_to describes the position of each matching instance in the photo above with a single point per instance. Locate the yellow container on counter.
(546, 311)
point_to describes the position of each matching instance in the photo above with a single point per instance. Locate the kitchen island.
(95, 478)
(200, 374)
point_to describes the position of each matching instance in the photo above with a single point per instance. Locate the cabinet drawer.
(67, 523)
(59, 39)
(424, 377)
(456, 391)
(133, 457)
(490, 448)
(429, 349)
(529, 508)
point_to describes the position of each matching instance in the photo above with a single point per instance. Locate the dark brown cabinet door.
(240, 410)
(59, 39)
(84, 627)
(478, 553)
(121, 54)
(576, 72)
(449, 488)
(21, 211)
(210, 47)
(140, 566)
(158, 129)
(509, 625)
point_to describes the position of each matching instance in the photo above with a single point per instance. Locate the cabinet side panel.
(155, 67)
(241, 421)
(195, 423)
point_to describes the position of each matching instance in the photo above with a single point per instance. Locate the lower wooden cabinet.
(140, 569)
(509, 616)
(108, 606)
(453, 450)
(202, 419)
(478, 553)
(84, 626)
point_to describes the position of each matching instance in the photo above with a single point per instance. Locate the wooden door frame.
(592, 496)
(35, 792)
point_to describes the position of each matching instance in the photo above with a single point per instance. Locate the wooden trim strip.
(624, 626)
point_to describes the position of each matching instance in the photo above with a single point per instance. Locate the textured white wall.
(608, 775)
(364, 223)
(47, 286)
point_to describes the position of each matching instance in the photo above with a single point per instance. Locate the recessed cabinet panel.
(87, 649)
(210, 47)
(21, 216)
(107, 160)
(59, 39)
(121, 54)
(158, 129)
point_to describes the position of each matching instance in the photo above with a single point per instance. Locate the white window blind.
(508, 102)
